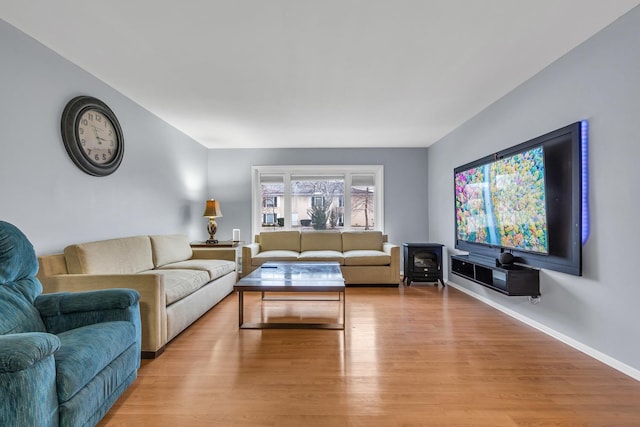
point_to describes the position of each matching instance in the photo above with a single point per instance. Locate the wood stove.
(422, 262)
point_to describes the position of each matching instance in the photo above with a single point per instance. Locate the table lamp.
(212, 210)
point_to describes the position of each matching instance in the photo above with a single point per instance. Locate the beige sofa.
(177, 284)
(365, 257)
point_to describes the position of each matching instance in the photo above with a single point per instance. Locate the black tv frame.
(564, 193)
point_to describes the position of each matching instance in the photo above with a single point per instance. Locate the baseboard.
(589, 351)
(371, 285)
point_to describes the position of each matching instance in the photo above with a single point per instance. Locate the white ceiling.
(313, 73)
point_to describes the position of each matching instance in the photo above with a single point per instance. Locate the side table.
(422, 262)
(227, 250)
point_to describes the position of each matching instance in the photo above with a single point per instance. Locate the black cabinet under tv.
(512, 280)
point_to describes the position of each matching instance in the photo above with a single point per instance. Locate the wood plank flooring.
(409, 356)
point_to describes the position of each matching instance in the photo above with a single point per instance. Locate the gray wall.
(159, 187)
(598, 81)
(405, 186)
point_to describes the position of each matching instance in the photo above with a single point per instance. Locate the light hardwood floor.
(410, 356)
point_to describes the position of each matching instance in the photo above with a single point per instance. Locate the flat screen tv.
(503, 203)
(526, 200)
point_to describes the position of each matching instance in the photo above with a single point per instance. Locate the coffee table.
(292, 277)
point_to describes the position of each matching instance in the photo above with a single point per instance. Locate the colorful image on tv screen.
(503, 203)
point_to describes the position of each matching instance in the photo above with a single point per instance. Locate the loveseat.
(365, 257)
(177, 284)
(65, 358)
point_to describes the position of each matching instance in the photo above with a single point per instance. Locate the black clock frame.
(69, 127)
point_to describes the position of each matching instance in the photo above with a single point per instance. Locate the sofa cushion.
(320, 241)
(180, 283)
(263, 257)
(280, 240)
(170, 248)
(84, 352)
(362, 240)
(322, 256)
(364, 257)
(126, 255)
(215, 267)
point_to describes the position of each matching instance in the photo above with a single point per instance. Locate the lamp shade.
(212, 209)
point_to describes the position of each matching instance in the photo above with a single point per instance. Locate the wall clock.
(92, 136)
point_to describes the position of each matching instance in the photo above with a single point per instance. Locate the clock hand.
(95, 130)
(98, 137)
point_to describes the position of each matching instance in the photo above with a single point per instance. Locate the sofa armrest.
(388, 248)
(150, 287)
(394, 252)
(248, 252)
(28, 379)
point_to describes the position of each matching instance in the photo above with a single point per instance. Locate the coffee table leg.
(240, 308)
(344, 309)
(277, 325)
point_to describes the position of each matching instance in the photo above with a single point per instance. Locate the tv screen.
(503, 203)
(529, 199)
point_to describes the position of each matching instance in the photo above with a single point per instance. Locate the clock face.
(92, 136)
(97, 136)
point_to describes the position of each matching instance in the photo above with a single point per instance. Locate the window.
(271, 190)
(317, 202)
(363, 201)
(317, 197)
(268, 219)
(270, 202)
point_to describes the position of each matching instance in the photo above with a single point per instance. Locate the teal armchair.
(65, 358)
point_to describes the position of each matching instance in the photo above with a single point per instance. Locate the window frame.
(348, 171)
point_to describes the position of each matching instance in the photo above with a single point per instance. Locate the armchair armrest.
(79, 302)
(21, 351)
(149, 286)
(28, 379)
(65, 310)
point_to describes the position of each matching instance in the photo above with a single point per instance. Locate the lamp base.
(212, 228)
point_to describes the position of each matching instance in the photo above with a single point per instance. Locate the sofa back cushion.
(126, 255)
(170, 248)
(280, 240)
(320, 241)
(362, 240)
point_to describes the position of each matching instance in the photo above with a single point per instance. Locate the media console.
(511, 280)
